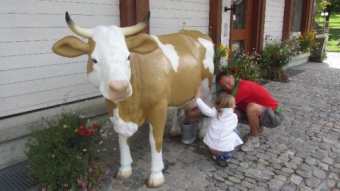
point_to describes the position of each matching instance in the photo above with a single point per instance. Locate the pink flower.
(99, 179)
(83, 184)
(90, 169)
(107, 171)
(93, 189)
(43, 189)
(79, 181)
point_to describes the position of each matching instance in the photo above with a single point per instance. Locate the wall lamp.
(228, 9)
(234, 2)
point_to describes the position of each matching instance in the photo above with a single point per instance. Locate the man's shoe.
(262, 130)
(251, 143)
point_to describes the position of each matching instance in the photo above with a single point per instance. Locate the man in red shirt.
(255, 106)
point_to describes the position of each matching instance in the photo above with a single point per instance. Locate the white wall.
(32, 78)
(273, 25)
(167, 16)
(31, 75)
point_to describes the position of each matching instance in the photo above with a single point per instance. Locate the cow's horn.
(138, 27)
(87, 33)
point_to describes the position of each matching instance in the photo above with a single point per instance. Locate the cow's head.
(108, 66)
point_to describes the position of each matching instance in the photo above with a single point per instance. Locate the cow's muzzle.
(119, 89)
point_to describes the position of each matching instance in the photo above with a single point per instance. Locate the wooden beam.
(127, 12)
(142, 8)
(258, 10)
(215, 20)
(307, 15)
(132, 12)
(287, 19)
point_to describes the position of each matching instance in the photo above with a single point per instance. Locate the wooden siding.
(167, 16)
(31, 75)
(274, 19)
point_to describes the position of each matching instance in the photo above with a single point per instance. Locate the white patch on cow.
(111, 54)
(157, 161)
(170, 52)
(121, 127)
(208, 62)
(125, 155)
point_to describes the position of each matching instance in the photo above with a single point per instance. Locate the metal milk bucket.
(188, 129)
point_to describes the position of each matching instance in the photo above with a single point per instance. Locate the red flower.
(276, 54)
(89, 132)
(94, 126)
(235, 69)
(82, 130)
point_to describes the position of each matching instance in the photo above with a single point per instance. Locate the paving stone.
(287, 170)
(296, 179)
(306, 167)
(279, 172)
(288, 187)
(310, 161)
(275, 184)
(313, 182)
(247, 184)
(323, 166)
(304, 174)
(317, 155)
(305, 188)
(234, 179)
(221, 185)
(319, 173)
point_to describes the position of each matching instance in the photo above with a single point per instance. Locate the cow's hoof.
(175, 133)
(124, 175)
(155, 183)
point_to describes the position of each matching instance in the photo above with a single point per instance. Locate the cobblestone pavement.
(302, 154)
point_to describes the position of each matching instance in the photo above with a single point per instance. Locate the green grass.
(334, 31)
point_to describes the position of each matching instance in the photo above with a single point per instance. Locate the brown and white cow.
(141, 76)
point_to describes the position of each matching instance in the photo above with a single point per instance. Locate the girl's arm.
(206, 110)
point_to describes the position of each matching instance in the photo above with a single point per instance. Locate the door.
(240, 26)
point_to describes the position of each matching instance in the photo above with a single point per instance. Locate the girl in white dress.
(222, 136)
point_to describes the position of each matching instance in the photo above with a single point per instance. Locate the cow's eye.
(94, 61)
(128, 57)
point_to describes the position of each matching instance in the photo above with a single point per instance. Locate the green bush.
(243, 66)
(63, 155)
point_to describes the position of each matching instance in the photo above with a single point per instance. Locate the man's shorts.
(268, 118)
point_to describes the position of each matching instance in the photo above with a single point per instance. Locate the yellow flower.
(221, 47)
(53, 156)
(75, 130)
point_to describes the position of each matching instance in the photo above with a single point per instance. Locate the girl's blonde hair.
(223, 101)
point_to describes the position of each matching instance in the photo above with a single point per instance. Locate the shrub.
(243, 66)
(277, 54)
(307, 41)
(63, 156)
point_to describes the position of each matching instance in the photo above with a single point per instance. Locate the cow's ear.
(70, 46)
(141, 43)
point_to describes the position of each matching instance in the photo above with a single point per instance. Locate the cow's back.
(174, 71)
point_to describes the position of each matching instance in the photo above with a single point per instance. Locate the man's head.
(226, 81)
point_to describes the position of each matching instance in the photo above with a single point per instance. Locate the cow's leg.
(175, 128)
(157, 118)
(206, 97)
(124, 130)
(125, 169)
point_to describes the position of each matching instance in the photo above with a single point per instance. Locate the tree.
(332, 7)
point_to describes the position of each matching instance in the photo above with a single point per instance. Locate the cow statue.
(141, 76)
